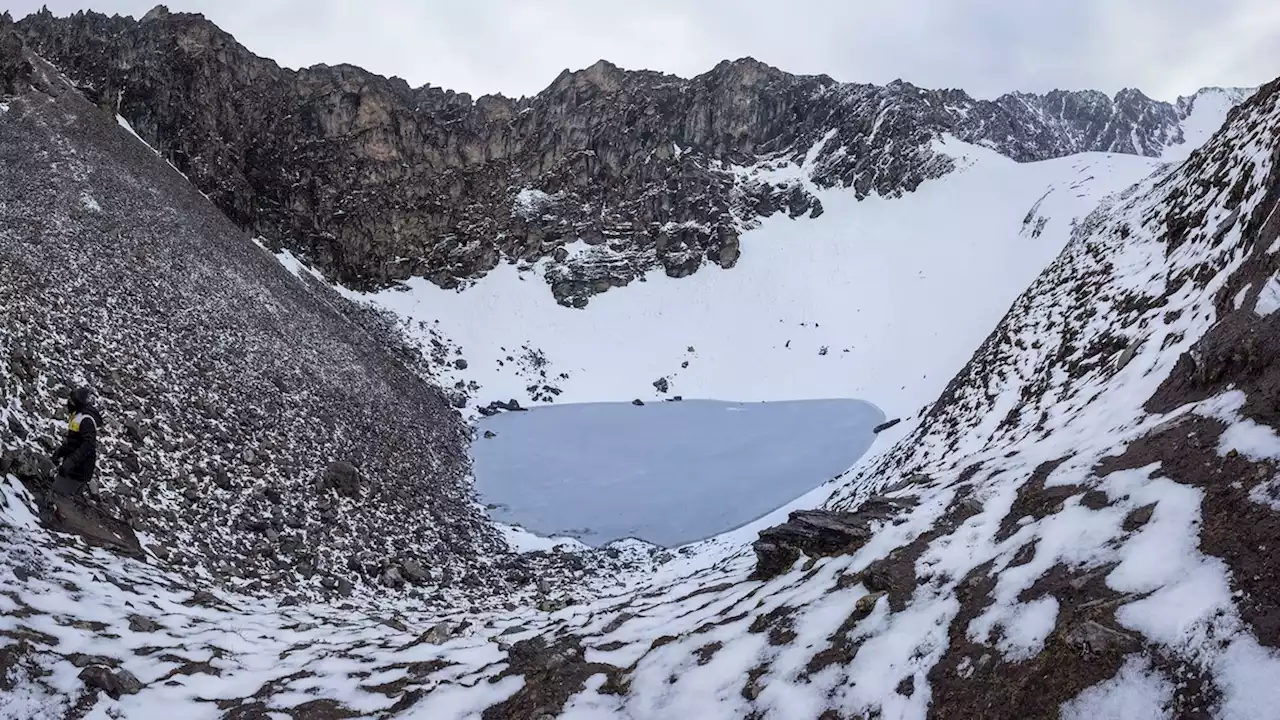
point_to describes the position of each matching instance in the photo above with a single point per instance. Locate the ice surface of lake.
(668, 472)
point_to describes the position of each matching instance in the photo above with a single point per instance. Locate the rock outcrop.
(606, 174)
(819, 533)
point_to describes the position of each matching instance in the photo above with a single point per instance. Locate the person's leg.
(62, 487)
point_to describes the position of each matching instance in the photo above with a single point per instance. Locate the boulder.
(343, 478)
(139, 623)
(81, 660)
(885, 425)
(204, 598)
(29, 467)
(17, 428)
(637, 402)
(413, 570)
(439, 634)
(662, 385)
(115, 684)
(134, 432)
(392, 578)
(818, 533)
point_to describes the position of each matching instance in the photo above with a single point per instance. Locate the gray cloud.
(1164, 47)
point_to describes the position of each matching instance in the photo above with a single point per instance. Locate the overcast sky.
(516, 47)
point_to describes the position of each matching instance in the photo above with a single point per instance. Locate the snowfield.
(668, 473)
(882, 299)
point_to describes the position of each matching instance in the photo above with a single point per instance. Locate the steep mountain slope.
(1080, 527)
(261, 431)
(372, 181)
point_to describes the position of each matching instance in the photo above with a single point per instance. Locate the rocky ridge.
(603, 176)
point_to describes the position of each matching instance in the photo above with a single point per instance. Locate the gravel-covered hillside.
(259, 430)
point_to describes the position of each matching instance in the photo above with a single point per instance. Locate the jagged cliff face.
(374, 181)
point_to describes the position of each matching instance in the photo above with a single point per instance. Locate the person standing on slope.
(78, 455)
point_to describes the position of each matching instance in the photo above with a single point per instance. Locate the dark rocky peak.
(159, 12)
(15, 70)
(602, 75)
(747, 72)
(373, 181)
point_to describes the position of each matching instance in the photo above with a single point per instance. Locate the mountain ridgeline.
(373, 181)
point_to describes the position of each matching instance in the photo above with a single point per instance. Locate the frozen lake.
(668, 472)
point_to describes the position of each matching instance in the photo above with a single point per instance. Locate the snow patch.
(1137, 692)
(1238, 301)
(881, 299)
(1268, 297)
(125, 124)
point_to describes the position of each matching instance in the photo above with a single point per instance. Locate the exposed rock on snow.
(819, 533)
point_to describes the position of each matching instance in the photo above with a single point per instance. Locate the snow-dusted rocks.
(228, 385)
(818, 533)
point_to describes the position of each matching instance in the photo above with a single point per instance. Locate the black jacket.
(79, 452)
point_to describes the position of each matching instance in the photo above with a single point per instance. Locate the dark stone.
(637, 402)
(413, 570)
(134, 432)
(17, 428)
(817, 533)
(82, 661)
(139, 623)
(115, 684)
(661, 385)
(886, 425)
(204, 598)
(1139, 517)
(343, 478)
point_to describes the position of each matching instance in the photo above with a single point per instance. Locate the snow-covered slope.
(880, 299)
(1202, 114)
